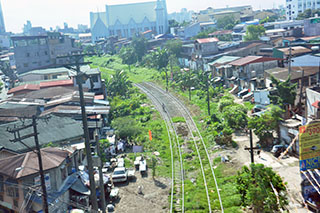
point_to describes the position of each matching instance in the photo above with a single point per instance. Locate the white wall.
(305, 61)
(312, 96)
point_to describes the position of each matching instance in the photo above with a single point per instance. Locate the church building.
(126, 20)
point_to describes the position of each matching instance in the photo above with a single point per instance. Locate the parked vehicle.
(258, 108)
(120, 174)
(278, 149)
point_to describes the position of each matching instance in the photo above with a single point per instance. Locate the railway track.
(207, 171)
(177, 171)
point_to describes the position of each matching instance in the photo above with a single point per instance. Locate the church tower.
(162, 17)
(2, 27)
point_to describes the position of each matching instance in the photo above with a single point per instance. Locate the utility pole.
(301, 90)
(103, 201)
(18, 138)
(289, 61)
(251, 149)
(80, 80)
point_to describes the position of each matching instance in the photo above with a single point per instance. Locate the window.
(1, 197)
(25, 65)
(12, 189)
(1, 183)
(42, 41)
(15, 203)
(27, 54)
(45, 52)
(33, 42)
(54, 76)
(94, 78)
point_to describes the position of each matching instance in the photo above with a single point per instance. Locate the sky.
(52, 13)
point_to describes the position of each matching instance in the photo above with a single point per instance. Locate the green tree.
(236, 116)
(126, 127)
(119, 84)
(272, 18)
(187, 80)
(204, 80)
(173, 23)
(308, 13)
(140, 46)
(266, 124)
(254, 32)
(174, 47)
(161, 60)
(128, 56)
(286, 92)
(226, 22)
(261, 188)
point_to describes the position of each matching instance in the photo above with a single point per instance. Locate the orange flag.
(150, 135)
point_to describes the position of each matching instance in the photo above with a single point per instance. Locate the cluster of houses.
(52, 94)
(247, 69)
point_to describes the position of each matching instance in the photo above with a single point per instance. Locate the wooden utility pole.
(81, 77)
(101, 181)
(301, 90)
(289, 60)
(18, 138)
(251, 149)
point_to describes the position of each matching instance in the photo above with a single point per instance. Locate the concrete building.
(306, 61)
(37, 52)
(251, 68)
(206, 46)
(127, 20)
(19, 180)
(312, 26)
(294, 7)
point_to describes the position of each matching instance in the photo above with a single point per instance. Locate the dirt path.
(154, 197)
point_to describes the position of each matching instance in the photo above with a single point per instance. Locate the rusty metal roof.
(252, 59)
(207, 40)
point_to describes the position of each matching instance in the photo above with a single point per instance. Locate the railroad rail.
(192, 127)
(178, 173)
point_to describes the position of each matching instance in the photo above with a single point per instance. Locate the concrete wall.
(31, 56)
(306, 61)
(312, 29)
(311, 97)
(32, 77)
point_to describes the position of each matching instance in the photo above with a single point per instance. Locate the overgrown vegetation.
(254, 32)
(261, 188)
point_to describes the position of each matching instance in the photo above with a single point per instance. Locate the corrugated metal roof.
(224, 59)
(24, 87)
(295, 50)
(56, 129)
(68, 82)
(28, 162)
(252, 59)
(207, 40)
(296, 73)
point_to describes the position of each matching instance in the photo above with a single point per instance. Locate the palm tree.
(128, 56)
(161, 61)
(204, 81)
(119, 84)
(187, 79)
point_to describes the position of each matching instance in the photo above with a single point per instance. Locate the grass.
(108, 65)
(249, 105)
(196, 200)
(178, 120)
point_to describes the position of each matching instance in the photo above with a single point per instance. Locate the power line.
(30, 187)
